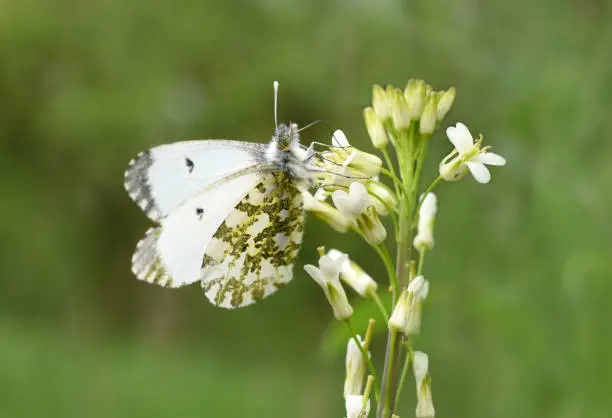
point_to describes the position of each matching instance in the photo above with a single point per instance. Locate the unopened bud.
(375, 128)
(428, 118)
(445, 103)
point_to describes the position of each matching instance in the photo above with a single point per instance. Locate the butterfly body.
(230, 214)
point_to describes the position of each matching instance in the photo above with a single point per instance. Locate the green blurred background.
(517, 323)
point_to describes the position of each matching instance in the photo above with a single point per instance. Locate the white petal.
(353, 406)
(330, 267)
(338, 257)
(420, 366)
(339, 139)
(359, 193)
(479, 171)
(491, 158)
(460, 137)
(316, 274)
(429, 207)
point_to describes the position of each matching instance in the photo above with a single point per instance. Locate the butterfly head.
(285, 136)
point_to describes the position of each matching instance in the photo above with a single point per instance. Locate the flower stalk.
(406, 120)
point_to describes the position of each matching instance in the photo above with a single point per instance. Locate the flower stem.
(384, 255)
(406, 160)
(381, 306)
(391, 173)
(429, 189)
(387, 400)
(421, 261)
(404, 373)
(365, 355)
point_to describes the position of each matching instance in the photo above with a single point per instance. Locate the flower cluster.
(350, 177)
(351, 196)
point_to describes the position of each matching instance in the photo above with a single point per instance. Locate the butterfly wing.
(171, 254)
(164, 177)
(251, 255)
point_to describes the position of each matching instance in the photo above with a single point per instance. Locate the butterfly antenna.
(275, 84)
(310, 124)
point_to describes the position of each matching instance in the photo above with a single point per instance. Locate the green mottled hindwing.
(252, 253)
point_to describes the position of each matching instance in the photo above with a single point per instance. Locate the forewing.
(171, 254)
(252, 253)
(164, 177)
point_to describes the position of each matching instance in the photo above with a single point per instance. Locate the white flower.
(326, 212)
(375, 128)
(327, 276)
(354, 407)
(406, 316)
(344, 163)
(427, 215)
(469, 156)
(353, 203)
(353, 275)
(355, 368)
(371, 227)
(424, 408)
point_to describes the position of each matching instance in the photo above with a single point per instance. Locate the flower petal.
(479, 171)
(491, 158)
(359, 193)
(460, 137)
(339, 139)
(315, 273)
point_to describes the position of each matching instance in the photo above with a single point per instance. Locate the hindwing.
(251, 255)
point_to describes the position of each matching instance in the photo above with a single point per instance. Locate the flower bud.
(445, 103)
(424, 408)
(401, 111)
(371, 227)
(326, 212)
(381, 101)
(428, 118)
(355, 368)
(353, 275)
(363, 163)
(415, 93)
(375, 128)
(427, 215)
(382, 198)
(452, 168)
(354, 407)
(327, 276)
(406, 316)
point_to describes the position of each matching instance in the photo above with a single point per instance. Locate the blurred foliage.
(516, 323)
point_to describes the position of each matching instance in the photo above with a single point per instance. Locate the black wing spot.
(190, 165)
(200, 212)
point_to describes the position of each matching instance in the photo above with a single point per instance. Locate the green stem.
(397, 183)
(404, 374)
(428, 190)
(421, 261)
(381, 306)
(391, 171)
(365, 355)
(404, 239)
(387, 407)
(384, 254)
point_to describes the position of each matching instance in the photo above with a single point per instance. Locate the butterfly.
(230, 214)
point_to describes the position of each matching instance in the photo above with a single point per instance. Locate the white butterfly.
(230, 214)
